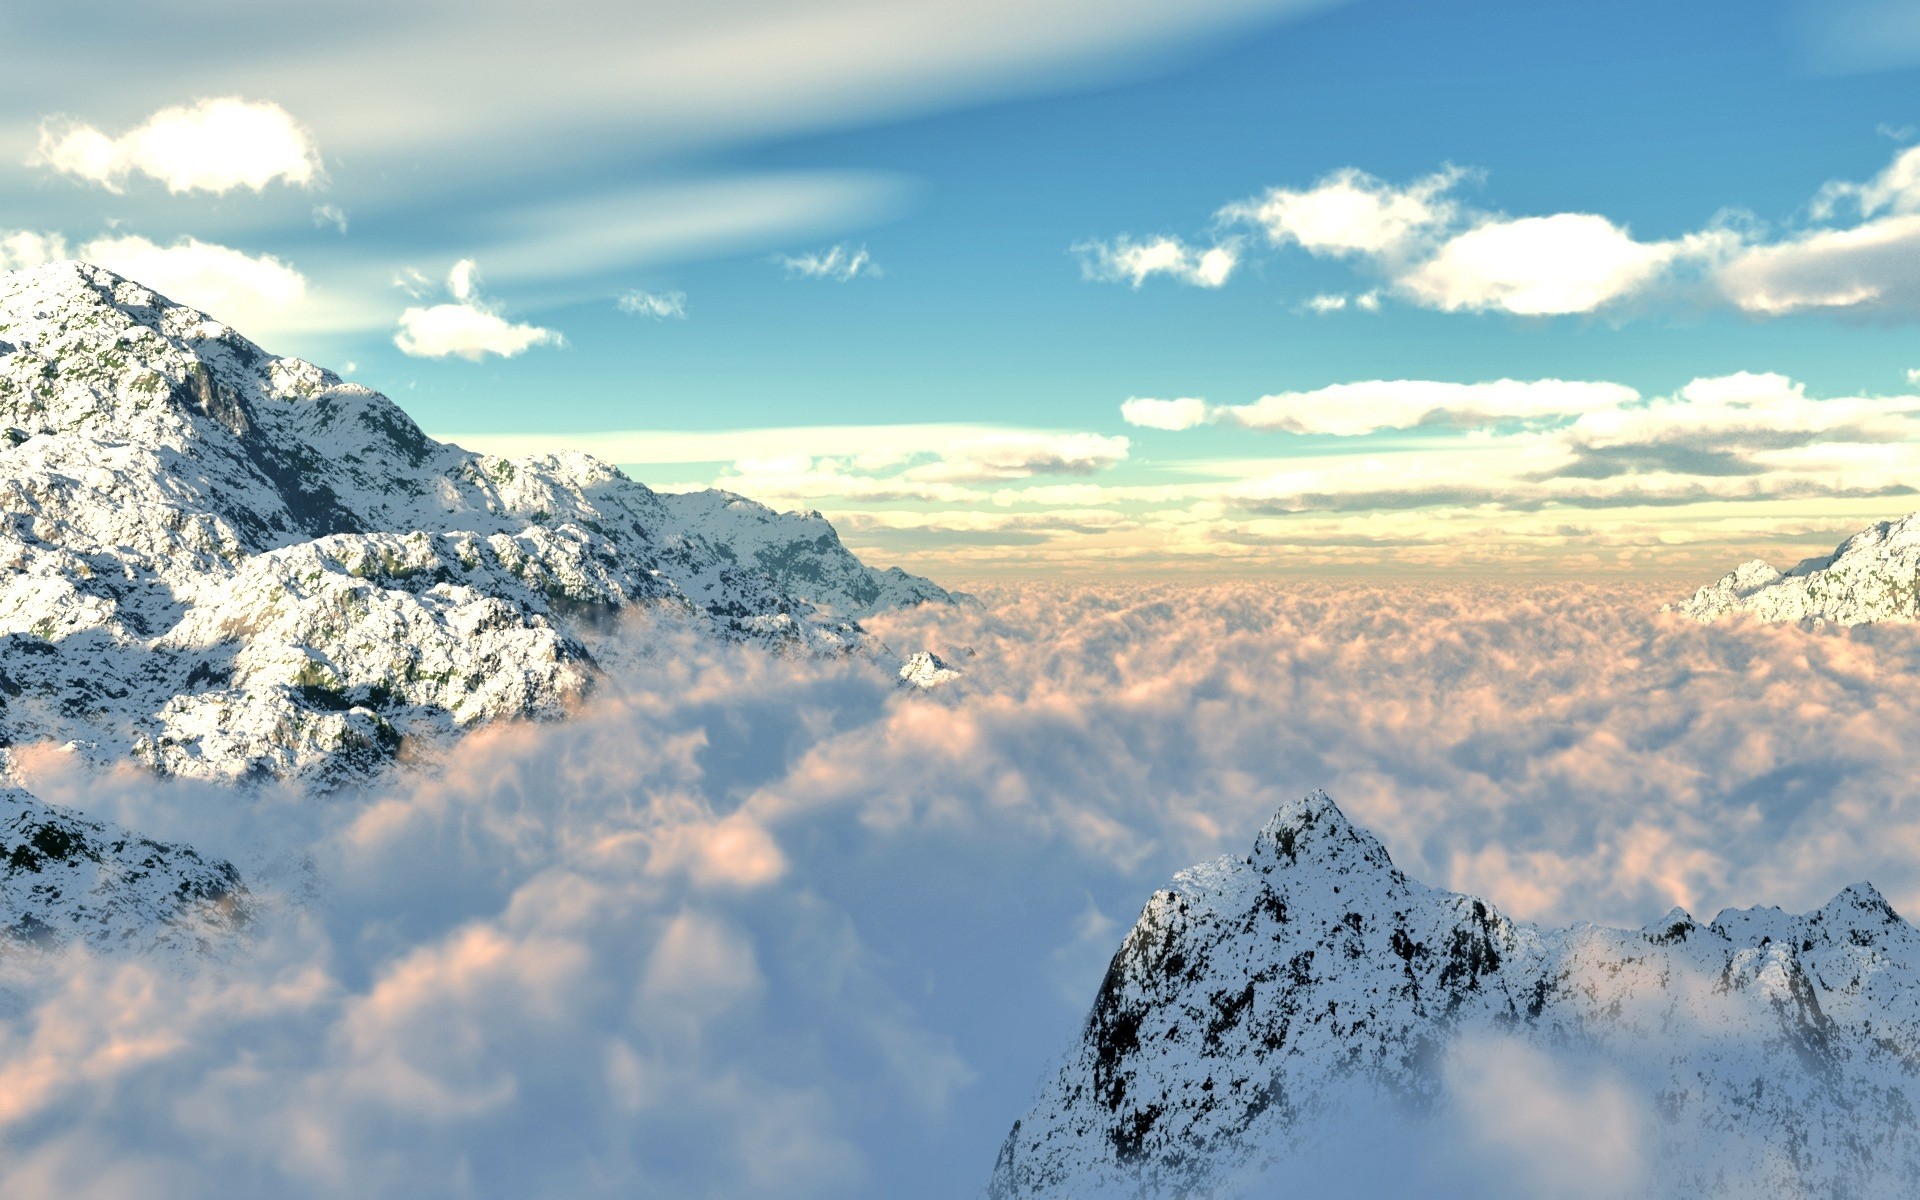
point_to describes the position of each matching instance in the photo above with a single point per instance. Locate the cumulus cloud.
(212, 145)
(658, 305)
(1125, 260)
(1430, 248)
(1566, 263)
(1351, 212)
(1866, 266)
(231, 285)
(1183, 413)
(469, 328)
(757, 925)
(840, 263)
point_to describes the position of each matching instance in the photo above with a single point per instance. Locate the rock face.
(229, 565)
(1872, 576)
(1779, 1053)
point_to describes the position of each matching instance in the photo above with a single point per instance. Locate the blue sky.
(1710, 193)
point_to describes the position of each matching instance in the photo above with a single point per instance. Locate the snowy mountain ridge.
(1781, 1053)
(227, 565)
(1872, 576)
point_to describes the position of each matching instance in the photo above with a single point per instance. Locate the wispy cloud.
(330, 215)
(843, 264)
(658, 305)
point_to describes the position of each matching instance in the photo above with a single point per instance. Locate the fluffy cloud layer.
(469, 327)
(212, 145)
(1431, 249)
(758, 926)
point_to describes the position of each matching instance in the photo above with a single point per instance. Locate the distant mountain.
(1778, 1054)
(1872, 576)
(228, 565)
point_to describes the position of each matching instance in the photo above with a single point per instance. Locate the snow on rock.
(64, 878)
(1872, 576)
(1257, 994)
(228, 565)
(927, 670)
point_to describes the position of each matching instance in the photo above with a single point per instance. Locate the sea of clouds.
(754, 925)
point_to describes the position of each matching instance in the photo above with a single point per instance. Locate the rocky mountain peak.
(1872, 576)
(228, 565)
(1258, 999)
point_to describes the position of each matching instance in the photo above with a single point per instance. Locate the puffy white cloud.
(1182, 413)
(1433, 250)
(24, 248)
(469, 328)
(1867, 266)
(1351, 212)
(658, 305)
(225, 283)
(1353, 409)
(1125, 260)
(1566, 263)
(212, 145)
(839, 263)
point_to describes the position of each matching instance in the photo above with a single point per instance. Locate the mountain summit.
(1265, 1003)
(226, 564)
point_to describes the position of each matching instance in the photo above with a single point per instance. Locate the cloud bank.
(747, 925)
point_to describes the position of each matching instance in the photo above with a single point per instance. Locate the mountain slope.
(1872, 576)
(1258, 995)
(228, 565)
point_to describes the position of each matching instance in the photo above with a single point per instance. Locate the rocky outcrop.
(1258, 993)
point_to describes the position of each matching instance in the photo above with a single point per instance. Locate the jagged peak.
(1859, 898)
(1676, 926)
(1314, 828)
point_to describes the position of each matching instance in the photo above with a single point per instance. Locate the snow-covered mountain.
(225, 564)
(1776, 1055)
(65, 878)
(229, 566)
(1872, 576)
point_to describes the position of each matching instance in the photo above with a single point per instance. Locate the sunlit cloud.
(469, 328)
(1428, 247)
(212, 145)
